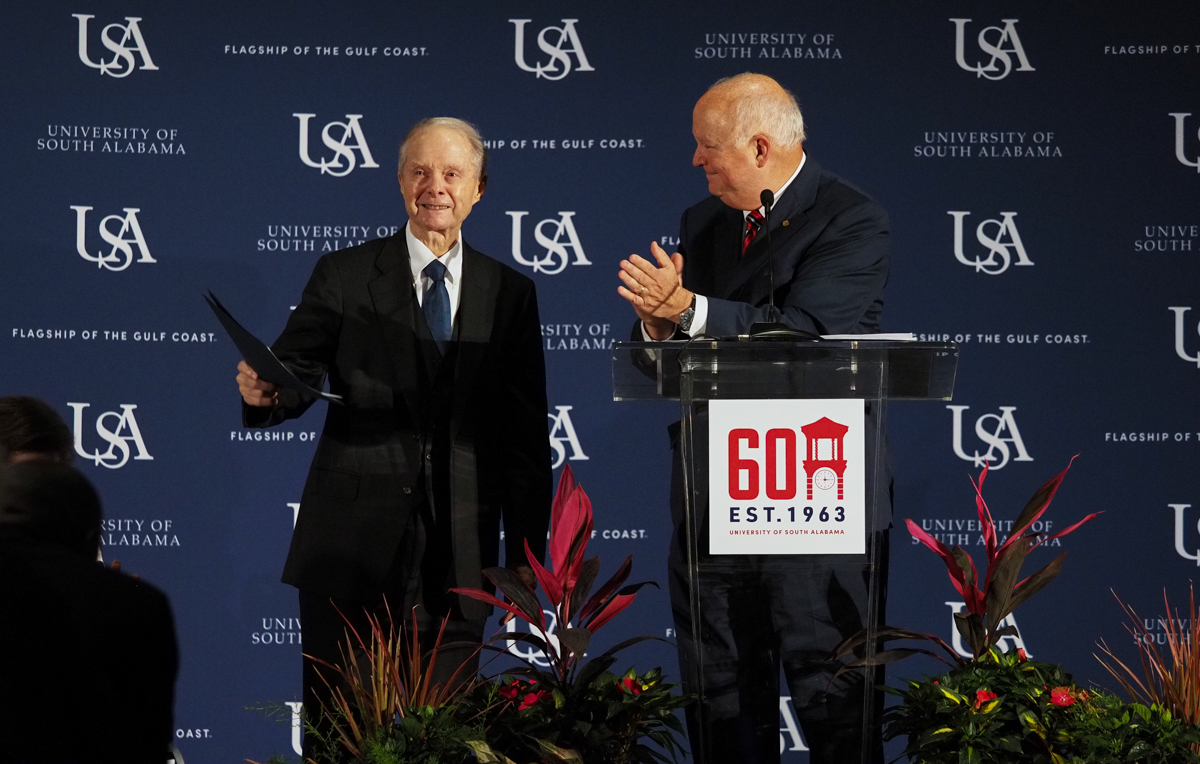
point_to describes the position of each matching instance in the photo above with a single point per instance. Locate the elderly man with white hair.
(436, 351)
(830, 246)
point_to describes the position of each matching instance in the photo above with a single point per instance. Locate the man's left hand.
(655, 290)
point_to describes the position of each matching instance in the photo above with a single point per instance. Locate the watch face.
(825, 479)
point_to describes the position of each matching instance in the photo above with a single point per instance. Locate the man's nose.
(697, 159)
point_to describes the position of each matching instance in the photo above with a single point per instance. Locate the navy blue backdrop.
(1040, 163)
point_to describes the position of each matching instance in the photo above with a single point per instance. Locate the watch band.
(686, 317)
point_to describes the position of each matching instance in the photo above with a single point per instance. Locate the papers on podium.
(260, 357)
(883, 337)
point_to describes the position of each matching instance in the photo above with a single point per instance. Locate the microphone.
(772, 329)
(767, 197)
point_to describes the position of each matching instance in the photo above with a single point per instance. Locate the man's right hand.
(646, 303)
(255, 392)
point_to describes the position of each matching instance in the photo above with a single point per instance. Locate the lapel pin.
(786, 222)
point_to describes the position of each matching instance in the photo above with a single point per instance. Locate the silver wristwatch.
(686, 317)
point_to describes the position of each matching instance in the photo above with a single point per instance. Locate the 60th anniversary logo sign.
(786, 477)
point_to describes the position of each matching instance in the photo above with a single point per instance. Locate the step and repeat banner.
(1040, 164)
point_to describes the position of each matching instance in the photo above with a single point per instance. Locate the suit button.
(407, 490)
(428, 457)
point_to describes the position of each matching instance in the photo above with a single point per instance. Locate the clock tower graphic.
(825, 464)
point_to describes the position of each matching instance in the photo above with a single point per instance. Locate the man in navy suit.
(830, 247)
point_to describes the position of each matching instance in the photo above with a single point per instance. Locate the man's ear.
(482, 184)
(762, 149)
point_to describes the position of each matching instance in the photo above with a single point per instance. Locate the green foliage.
(1004, 710)
(425, 735)
(386, 708)
(606, 720)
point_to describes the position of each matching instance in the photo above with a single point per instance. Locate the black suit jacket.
(88, 659)
(830, 244)
(359, 326)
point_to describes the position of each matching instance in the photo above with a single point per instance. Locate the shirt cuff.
(700, 320)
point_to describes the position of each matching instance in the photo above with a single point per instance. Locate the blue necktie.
(437, 305)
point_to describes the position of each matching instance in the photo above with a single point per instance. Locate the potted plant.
(386, 709)
(1002, 707)
(576, 711)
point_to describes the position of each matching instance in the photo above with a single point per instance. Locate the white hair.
(466, 128)
(756, 112)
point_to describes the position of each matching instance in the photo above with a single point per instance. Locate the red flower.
(630, 685)
(533, 698)
(513, 689)
(1061, 696)
(1021, 656)
(983, 696)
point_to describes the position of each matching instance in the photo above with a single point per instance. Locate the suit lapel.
(473, 323)
(787, 218)
(393, 299)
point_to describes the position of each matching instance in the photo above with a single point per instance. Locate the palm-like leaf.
(567, 582)
(1002, 591)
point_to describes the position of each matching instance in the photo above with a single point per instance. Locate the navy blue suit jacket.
(830, 244)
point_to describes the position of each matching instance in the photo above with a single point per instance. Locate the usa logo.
(526, 651)
(998, 431)
(124, 436)
(1006, 643)
(1180, 329)
(1180, 151)
(123, 233)
(549, 234)
(1180, 546)
(124, 40)
(1001, 238)
(992, 41)
(559, 43)
(343, 139)
(563, 436)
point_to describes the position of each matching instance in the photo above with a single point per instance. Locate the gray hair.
(756, 112)
(466, 128)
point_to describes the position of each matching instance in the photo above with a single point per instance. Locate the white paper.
(893, 337)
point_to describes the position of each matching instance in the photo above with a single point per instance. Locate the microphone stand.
(773, 329)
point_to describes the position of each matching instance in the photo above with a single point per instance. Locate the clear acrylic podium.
(698, 372)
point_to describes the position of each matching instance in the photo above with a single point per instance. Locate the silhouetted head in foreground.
(31, 429)
(51, 503)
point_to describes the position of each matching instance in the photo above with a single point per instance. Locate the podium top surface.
(707, 369)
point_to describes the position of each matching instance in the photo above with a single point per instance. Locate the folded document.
(255, 352)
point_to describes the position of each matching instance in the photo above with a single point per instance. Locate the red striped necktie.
(754, 221)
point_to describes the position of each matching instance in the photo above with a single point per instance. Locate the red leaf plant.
(988, 602)
(567, 584)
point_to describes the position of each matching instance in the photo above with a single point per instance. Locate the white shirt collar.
(420, 256)
(779, 193)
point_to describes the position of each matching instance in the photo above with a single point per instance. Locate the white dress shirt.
(700, 320)
(420, 256)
